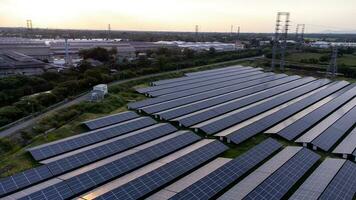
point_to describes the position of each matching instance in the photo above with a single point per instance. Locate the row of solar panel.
(272, 180)
(98, 173)
(213, 112)
(196, 75)
(196, 80)
(239, 75)
(195, 91)
(84, 156)
(323, 124)
(82, 140)
(110, 120)
(229, 94)
(197, 115)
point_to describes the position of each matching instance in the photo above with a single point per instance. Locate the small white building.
(99, 92)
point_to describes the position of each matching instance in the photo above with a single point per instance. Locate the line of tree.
(17, 99)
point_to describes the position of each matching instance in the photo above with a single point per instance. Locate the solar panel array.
(82, 140)
(196, 80)
(110, 120)
(216, 181)
(104, 173)
(151, 181)
(248, 107)
(24, 179)
(99, 152)
(259, 126)
(314, 186)
(279, 183)
(126, 156)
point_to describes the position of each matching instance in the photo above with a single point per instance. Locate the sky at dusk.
(179, 15)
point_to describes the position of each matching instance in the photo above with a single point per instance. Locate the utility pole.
(109, 32)
(66, 59)
(196, 33)
(29, 24)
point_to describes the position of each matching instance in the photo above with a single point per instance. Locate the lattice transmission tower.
(281, 33)
(332, 70)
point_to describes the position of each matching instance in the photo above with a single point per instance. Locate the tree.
(97, 53)
(212, 50)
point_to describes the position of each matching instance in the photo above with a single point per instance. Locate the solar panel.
(246, 185)
(58, 191)
(202, 84)
(186, 109)
(278, 184)
(343, 186)
(316, 183)
(259, 126)
(213, 71)
(226, 76)
(24, 179)
(110, 120)
(174, 80)
(93, 154)
(330, 137)
(214, 94)
(206, 88)
(75, 142)
(297, 128)
(322, 126)
(348, 145)
(122, 165)
(216, 181)
(245, 81)
(153, 180)
(241, 116)
(225, 108)
(189, 179)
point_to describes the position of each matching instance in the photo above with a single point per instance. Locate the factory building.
(12, 63)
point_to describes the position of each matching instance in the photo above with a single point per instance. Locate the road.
(31, 121)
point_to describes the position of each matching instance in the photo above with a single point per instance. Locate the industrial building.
(12, 63)
(205, 46)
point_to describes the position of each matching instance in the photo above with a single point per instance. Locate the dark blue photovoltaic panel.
(110, 120)
(90, 179)
(170, 114)
(297, 128)
(212, 93)
(215, 71)
(279, 183)
(245, 81)
(59, 191)
(220, 110)
(202, 84)
(85, 139)
(241, 73)
(207, 88)
(80, 159)
(157, 178)
(191, 99)
(186, 78)
(331, 135)
(343, 185)
(218, 180)
(217, 101)
(236, 118)
(24, 179)
(253, 129)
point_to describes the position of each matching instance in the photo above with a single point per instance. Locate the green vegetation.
(17, 99)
